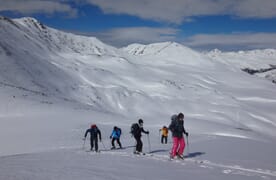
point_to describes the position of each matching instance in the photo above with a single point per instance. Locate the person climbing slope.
(136, 131)
(94, 134)
(164, 134)
(177, 129)
(115, 136)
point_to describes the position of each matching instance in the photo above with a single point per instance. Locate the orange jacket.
(164, 131)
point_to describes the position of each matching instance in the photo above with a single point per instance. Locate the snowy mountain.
(258, 62)
(167, 52)
(214, 77)
(43, 59)
(53, 85)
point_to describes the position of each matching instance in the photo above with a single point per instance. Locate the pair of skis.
(142, 153)
(177, 157)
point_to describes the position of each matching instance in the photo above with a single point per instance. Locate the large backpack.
(134, 130)
(174, 117)
(173, 122)
(119, 132)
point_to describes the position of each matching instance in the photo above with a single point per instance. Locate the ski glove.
(147, 132)
(187, 134)
(83, 138)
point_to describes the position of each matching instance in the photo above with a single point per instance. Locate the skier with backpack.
(177, 129)
(115, 136)
(136, 131)
(94, 134)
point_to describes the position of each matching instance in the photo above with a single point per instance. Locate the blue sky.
(199, 24)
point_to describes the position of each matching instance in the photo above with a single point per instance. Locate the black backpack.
(119, 132)
(174, 117)
(134, 130)
(173, 122)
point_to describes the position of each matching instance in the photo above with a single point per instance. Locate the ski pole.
(188, 144)
(111, 144)
(159, 136)
(135, 144)
(83, 145)
(103, 145)
(149, 143)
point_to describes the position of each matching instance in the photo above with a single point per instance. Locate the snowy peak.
(53, 40)
(168, 52)
(153, 49)
(31, 23)
(6, 20)
(41, 60)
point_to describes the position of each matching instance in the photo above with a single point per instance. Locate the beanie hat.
(180, 116)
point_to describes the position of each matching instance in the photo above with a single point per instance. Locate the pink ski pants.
(178, 146)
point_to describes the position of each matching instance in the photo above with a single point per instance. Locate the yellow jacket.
(164, 131)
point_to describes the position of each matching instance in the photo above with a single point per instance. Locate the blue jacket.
(116, 133)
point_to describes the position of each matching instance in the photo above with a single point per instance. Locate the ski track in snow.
(190, 164)
(256, 99)
(231, 135)
(226, 169)
(262, 119)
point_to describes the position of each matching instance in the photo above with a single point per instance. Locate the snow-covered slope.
(213, 85)
(170, 52)
(53, 85)
(258, 62)
(40, 60)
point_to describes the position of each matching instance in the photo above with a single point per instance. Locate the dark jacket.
(139, 132)
(177, 128)
(94, 132)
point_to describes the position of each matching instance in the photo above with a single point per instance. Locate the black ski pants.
(94, 141)
(118, 141)
(164, 138)
(139, 143)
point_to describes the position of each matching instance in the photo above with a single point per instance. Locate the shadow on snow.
(194, 154)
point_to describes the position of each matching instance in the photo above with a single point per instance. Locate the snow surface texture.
(53, 85)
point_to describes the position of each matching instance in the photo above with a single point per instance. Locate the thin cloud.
(27, 7)
(255, 9)
(124, 36)
(177, 11)
(232, 41)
